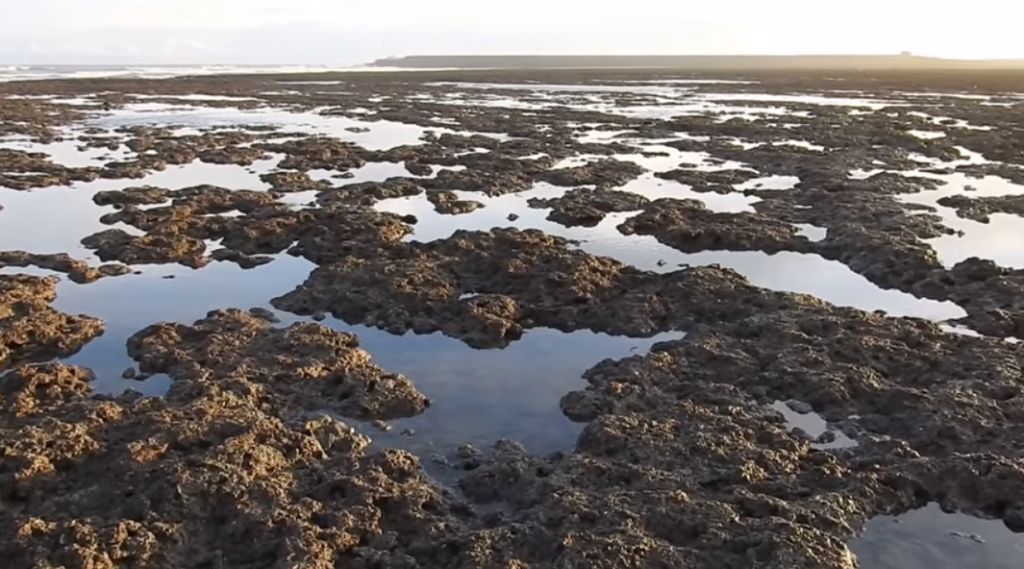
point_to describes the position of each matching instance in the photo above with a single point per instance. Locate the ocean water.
(30, 72)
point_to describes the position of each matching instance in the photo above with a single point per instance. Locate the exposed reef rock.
(586, 207)
(30, 329)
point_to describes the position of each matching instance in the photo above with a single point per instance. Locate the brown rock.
(447, 203)
(586, 207)
(30, 329)
(304, 363)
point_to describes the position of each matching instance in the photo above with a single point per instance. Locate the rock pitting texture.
(525, 279)
(604, 173)
(177, 233)
(217, 474)
(688, 226)
(682, 463)
(448, 203)
(979, 209)
(30, 329)
(77, 270)
(586, 207)
(307, 362)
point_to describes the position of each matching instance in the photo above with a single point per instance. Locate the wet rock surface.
(688, 226)
(684, 435)
(369, 193)
(132, 196)
(290, 182)
(1011, 172)
(27, 170)
(526, 279)
(990, 294)
(241, 259)
(214, 474)
(448, 203)
(719, 181)
(248, 460)
(177, 233)
(118, 244)
(77, 270)
(30, 329)
(979, 209)
(604, 173)
(872, 233)
(586, 207)
(285, 361)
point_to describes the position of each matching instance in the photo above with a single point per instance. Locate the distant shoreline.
(692, 62)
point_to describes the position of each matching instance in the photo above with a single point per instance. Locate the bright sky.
(353, 31)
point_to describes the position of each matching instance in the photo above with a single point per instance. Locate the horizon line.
(905, 55)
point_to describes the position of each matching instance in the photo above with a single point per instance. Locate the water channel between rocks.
(929, 538)
(479, 396)
(441, 367)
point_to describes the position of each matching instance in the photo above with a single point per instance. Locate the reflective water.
(481, 396)
(798, 98)
(927, 134)
(69, 214)
(371, 172)
(166, 293)
(813, 424)
(660, 100)
(998, 240)
(655, 188)
(828, 280)
(382, 135)
(477, 396)
(930, 538)
(786, 271)
(813, 233)
(68, 152)
(770, 183)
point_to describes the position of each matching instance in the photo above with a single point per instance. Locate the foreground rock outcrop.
(305, 364)
(217, 474)
(32, 330)
(486, 287)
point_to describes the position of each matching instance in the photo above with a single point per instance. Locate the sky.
(348, 32)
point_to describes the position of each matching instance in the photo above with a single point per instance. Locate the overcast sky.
(355, 31)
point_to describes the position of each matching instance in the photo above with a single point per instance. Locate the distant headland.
(693, 62)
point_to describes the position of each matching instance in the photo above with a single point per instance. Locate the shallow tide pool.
(479, 396)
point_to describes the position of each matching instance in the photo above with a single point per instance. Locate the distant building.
(906, 54)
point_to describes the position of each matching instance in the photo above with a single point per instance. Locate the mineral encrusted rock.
(30, 329)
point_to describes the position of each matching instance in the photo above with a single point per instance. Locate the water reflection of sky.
(478, 396)
(382, 135)
(68, 152)
(929, 538)
(998, 240)
(68, 213)
(792, 272)
(814, 425)
(481, 396)
(49, 220)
